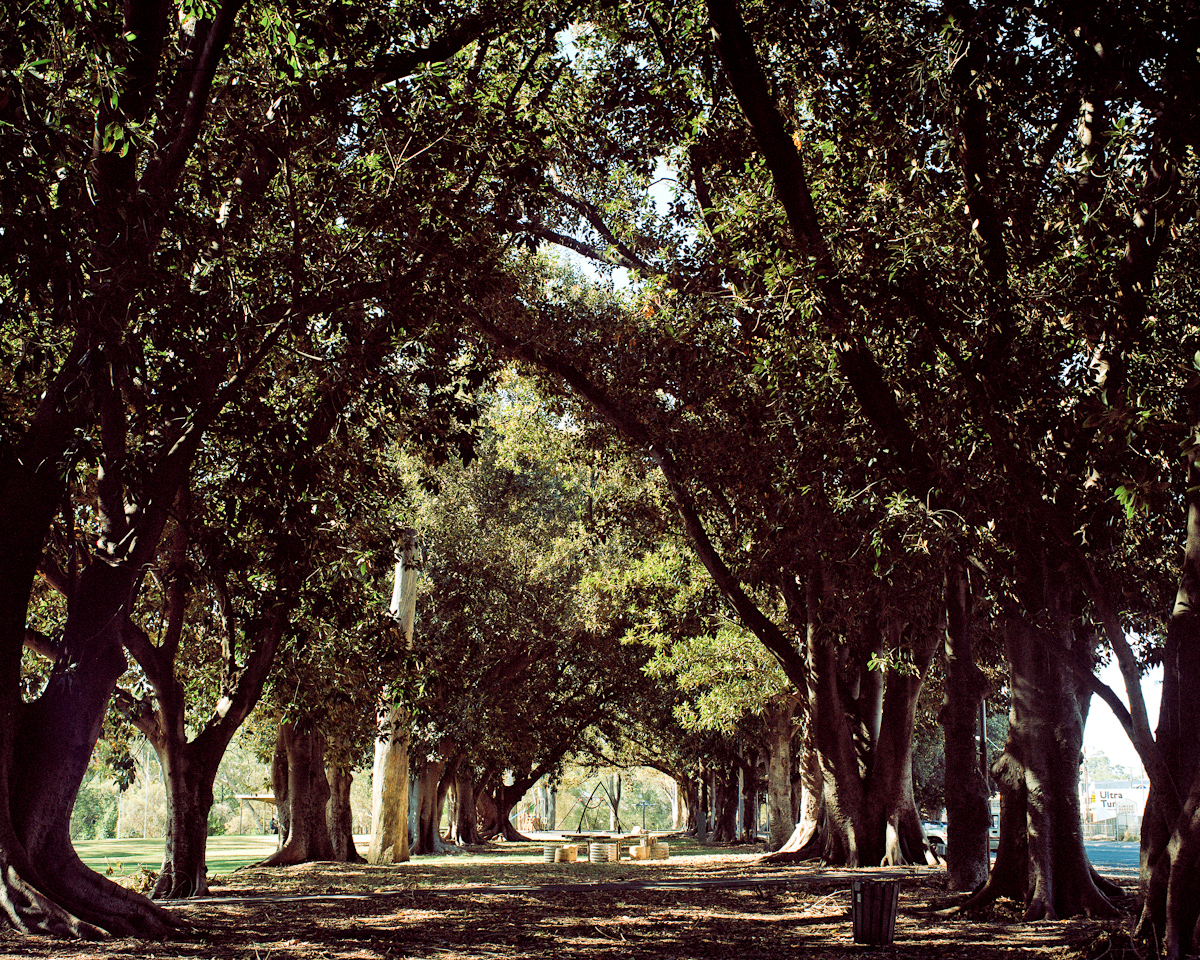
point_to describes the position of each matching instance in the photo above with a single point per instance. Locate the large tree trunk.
(301, 795)
(894, 828)
(748, 784)
(427, 784)
(389, 790)
(188, 775)
(340, 816)
(779, 723)
(808, 838)
(688, 804)
(857, 821)
(725, 797)
(842, 798)
(1041, 862)
(1164, 875)
(967, 814)
(389, 783)
(1181, 930)
(52, 747)
(464, 825)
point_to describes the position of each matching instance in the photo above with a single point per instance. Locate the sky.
(1104, 733)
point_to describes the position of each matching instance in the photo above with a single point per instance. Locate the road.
(1113, 859)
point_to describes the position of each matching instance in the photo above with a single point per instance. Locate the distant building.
(1112, 808)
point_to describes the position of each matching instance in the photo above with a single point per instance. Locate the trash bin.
(874, 904)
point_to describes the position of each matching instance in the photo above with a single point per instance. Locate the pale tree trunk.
(808, 837)
(1040, 861)
(340, 816)
(702, 820)
(389, 784)
(301, 796)
(779, 720)
(967, 814)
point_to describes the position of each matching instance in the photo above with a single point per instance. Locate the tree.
(135, 243)
(810, 204)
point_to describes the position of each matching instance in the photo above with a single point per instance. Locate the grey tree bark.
(389, 784)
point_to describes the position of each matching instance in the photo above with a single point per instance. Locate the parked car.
(935, 836)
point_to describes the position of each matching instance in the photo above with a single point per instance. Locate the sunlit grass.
(128, 857)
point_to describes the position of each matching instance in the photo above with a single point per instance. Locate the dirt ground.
(725, 904)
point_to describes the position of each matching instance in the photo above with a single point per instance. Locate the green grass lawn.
(501, 863)
(127, 857)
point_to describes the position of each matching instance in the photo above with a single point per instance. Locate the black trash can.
(874, 904)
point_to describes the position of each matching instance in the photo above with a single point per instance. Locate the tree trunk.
(301, 796)
(464, 826)
(779, 723)
(894, 833)
(748, 782)
(688, 805)
(860, 822)
(52, 747)
(389, 793)
(1041, 861)
(495, 806)
(188, 775)
(968, 816)
(1163, 877)
(842, 800)
(427, 781)
(339, 815)
(1182, 911)
(614, 800)
(389, 783)
(725, 801)
(808, 838)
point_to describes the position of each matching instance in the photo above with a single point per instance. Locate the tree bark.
(188, 776)
(464, 827)
(968, 816)
(748, 784)
(1162, 879)
(340, 816)
(688, 804)
(725, 797)
(301, 796)
(779, 723)
(1040, 861)
(52, 747)
(389, 783)
(891, 811)
(496, 806)
(427, 779)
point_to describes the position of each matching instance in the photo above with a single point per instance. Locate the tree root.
(27, 910)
